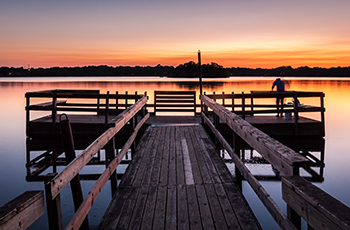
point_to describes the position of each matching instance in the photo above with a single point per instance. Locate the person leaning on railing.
(279, 99)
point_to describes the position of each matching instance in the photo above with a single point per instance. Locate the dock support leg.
(69, 149)
(294, 217)
(54, 212)
(236, 144)
(110, 155)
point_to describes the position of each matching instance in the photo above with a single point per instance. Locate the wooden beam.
(22, 211)
(319, 209)
(283, 158)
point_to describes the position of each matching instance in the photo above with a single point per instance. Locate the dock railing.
(245, 104)
(107, 141)
(302, 198)
(93, 102)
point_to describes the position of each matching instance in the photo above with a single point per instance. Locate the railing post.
(251, 103)
(54, 210)
(155, 102)
(223, 99)
(116, 101)
(27, 113)
(243, 105)
(194, 104)
(236, 144)
(54, 108)
(110, 155)
(322, 114)
(69, 149)
(296, 115)
(233, 102)
(107, 109)
(126, 99)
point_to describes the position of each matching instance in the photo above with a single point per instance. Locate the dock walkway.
(177, 180)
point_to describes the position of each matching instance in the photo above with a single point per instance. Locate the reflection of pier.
(175, 177)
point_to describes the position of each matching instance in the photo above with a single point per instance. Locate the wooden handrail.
(283, 158)
(280, 218)
(22, 211)
(84, 208)
(66, 175)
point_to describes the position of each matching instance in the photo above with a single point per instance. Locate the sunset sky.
(232, 33)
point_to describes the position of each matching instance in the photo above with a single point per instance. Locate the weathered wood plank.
(172, 158)
(163, 180)
(319, 209)
(216, 211)
(206, 215)
(157, 166)
(159, 215)
(136, 218)
(180, 171)
(112, 216)
(193, 160)
(182, 208)
(148, 216)
(22, 211)
(193, 208)
(171, 209)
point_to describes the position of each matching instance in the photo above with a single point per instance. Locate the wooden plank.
(22, 211)
(228, 211)
(241, 208)
(193, 208)
(148, 216)
(206, 215)
(160, 209)
(319, 209)
(113, 213)
(171, 209)
(163, 179)
(180, 170)
(136, 218)
(182, 208)
(216, 211)
(172, 158)
(157, 160)
(128, 209)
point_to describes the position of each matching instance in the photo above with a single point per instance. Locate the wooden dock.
(178, 181)
(176, 178)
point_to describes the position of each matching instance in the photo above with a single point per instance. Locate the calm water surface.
(13, 138)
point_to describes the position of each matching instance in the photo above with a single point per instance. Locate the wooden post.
(322, 114)
(243, 105)
(195, 104)
(107, 109)
(296, 115)
(54, 211)
(116, 101)
(233, 102)
(54, 108)
(27, 113)
(214, 98)
(236, 144)
(155, 103)
(98, 103)
(126, 99)
(251, 103)
(110, 155)
(223, 99)
(200, 73)
(69, 149)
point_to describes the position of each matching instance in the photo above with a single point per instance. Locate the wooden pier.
(176, 177)
(178, 181)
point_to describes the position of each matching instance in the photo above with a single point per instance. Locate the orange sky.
(233, 33)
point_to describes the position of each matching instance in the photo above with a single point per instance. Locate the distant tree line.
(189, 69)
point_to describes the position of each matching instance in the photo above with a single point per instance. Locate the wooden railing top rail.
(283, 158)
(67, 174)
(266, 94)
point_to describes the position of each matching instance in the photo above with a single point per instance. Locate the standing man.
(279, 99)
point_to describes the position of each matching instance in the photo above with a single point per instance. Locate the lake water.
(13, 138)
